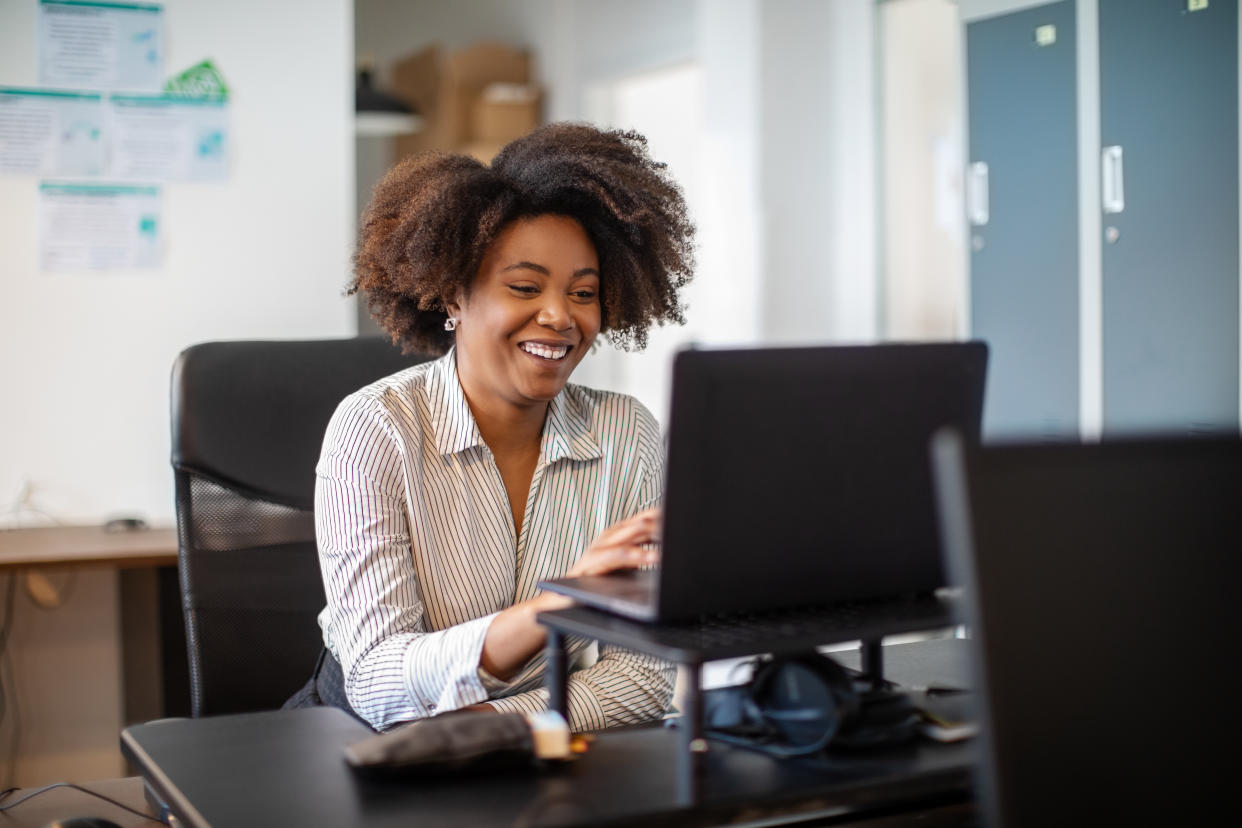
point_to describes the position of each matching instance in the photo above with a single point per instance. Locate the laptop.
(1102, 591)
(798, 477)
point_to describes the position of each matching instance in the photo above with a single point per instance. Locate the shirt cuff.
(442, 668)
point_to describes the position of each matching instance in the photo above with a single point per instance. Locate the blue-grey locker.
(1023, 205)
(1169, 132)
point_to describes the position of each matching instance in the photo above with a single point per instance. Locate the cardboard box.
(418, 79)
(445, 88)
(485, 151)
(503, 112)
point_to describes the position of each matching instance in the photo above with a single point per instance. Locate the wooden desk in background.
(55, 546)
(155, 675)
(66, 803)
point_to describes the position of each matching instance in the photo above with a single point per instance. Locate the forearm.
(514, 636)
(622, 688)
(413, 675)
(625, 687)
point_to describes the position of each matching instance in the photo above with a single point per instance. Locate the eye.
(584, 294)
(525, 290)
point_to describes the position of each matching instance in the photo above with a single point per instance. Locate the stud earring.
(450, 324)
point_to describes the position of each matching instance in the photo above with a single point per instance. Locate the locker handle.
(1112, 180)
(977, 193)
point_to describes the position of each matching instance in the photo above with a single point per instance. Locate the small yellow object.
(1045, 35)
(42, 591)
(1196, 5)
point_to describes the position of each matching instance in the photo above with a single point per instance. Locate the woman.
(447, 491)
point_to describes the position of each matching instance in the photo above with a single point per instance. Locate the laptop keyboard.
(836, 622)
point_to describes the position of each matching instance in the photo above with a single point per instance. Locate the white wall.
(817, 170)
(924, 259)
(730, 173)
(266, 253)
(85, 357)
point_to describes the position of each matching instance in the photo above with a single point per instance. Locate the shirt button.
(432, 708)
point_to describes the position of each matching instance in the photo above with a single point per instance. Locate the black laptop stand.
(694, 643)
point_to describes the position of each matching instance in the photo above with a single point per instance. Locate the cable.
(5, 794)
(6, 628)
(774, 749)
(24, 505)
(15, 733)
(7, 625)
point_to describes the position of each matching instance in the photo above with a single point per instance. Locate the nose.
(554, 312)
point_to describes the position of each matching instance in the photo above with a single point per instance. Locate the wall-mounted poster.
(100, 45)
(98, 226)
(167, 138)
(50, 132)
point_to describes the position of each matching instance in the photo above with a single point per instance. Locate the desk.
(154, 675)
(286, 768)
(56, 546)
(693, 643)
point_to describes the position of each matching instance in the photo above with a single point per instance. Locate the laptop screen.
(800, 476)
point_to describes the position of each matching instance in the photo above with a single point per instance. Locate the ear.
(452, 302)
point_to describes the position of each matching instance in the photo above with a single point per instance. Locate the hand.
(624, 545)
(621, 546)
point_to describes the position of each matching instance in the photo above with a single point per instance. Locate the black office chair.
(248, 420)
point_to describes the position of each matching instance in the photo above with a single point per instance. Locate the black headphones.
(793, 706)
(800, 704)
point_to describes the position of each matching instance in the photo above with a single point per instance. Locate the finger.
(647, 517)
(652, 517)
(622, 531)
(613, 558)
(632, 531)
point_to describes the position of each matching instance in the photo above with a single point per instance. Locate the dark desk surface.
(286, 768)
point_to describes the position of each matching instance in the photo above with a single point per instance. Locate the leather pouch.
(453, 741)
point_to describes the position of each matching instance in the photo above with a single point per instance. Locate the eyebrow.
(524, 265)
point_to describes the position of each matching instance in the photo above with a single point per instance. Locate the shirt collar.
(566, 432)
(454, 425)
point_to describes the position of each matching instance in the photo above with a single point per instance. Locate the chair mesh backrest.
(251, 589)
(248, 421)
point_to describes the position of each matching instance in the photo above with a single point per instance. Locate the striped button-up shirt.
(419, 554)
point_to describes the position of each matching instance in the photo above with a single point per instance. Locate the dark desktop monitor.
(1102, 586)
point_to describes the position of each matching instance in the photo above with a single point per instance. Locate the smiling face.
(530, 315)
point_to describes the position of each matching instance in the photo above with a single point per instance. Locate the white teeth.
(542, 351)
